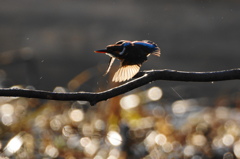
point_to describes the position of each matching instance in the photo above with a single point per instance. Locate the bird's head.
(115, 49)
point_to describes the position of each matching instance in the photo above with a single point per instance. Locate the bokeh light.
(99, 125)
(167, 147)
(87, 129)
(236, 149)
(59, 90)
(189, 150)
(228, 139)
(160, 139)
(199, 140)
(114, 138)
(51, 151)
(55, 124)
(91, 148)
(130, 101)
(76, 115)
(13, 145)
(7, 119)
(7, 109)
(217, 142)
(151, 127)
(114, 153)
(179, 107)
(73, 141)
(85, 141)
(40, 121)
(154, 93)
(68, 131)
(150, 138)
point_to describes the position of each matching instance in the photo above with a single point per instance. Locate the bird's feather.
(125, 72)
(150, 47)
(157, 52)
(110, 64)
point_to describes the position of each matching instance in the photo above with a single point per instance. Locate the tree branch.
(142, 78)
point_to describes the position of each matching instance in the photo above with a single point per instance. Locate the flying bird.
(132, 54)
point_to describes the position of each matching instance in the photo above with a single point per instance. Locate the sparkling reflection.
(150, 138)
(51, 151)
(114, 138)
(236, 149)
(59, 90)
(7, 109)
(85, 141)
(99, 125)
(228, 139)
(91, 148)
(87, 129)
(115, 153)
(73, 141)
(130, 101)
(67, 131)
(179, 107)
(160, 139)
(167, 147)
(199, 140)
(76, 115)
(154, 93)
(144, 128)
(7, 120)
(40, 121)
(55, 124)
(189, 150)
(13, 145)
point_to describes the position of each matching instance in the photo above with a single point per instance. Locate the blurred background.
(49, 45)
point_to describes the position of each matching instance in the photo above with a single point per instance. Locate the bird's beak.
(101, 51)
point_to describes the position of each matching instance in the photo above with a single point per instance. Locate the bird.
(131, 54)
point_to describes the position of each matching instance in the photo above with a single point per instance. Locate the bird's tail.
(157, 51)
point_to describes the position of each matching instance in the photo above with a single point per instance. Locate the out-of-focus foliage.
(136, 125)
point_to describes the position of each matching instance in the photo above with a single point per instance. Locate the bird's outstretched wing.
(126, 72)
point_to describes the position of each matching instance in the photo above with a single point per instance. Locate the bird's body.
(131, 54)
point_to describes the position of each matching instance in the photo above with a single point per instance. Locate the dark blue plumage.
(131, 54)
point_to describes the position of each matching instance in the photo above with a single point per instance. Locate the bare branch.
(142, 78)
